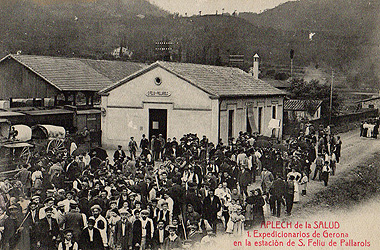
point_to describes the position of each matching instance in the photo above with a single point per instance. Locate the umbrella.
(80, 150)
(280, 147)
(100, 153)
(263, 137)
(303, 145)
(263, 143)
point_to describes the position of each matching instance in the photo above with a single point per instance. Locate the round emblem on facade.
(158, 81)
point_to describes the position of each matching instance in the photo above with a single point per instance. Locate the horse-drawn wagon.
(50, 138)
(15, 145)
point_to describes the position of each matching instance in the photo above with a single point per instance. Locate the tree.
(303, 90)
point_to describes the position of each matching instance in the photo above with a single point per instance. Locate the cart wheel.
(55, 146)
(25, 155)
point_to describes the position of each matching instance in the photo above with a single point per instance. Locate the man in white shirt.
(66, 202)
(169, 201)
(241, 158)
(49, 202)
(147, 228)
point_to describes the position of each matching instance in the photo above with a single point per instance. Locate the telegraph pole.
(331, 93)
(291, 63)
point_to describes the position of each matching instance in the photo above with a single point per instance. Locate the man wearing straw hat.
(123, 231)
(12, 230)
(172, 241)
(147, 229)
(100, 223)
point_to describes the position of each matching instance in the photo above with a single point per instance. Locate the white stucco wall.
(240, 107)
(189, 109)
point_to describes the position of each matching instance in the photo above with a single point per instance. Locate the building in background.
(56, 90)
(174, 99)
(302, 110)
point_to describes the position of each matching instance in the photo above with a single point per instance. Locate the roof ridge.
(72, 58)
(202, 65)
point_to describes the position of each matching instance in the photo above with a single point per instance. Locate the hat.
(140, 176)
(115, 210)
(164, 203)
(123, 211)
(35, 197)
(144, 212)
(48, 209)
(11, 207)
(33, 203)
(71, 192)
(68, 231)
(96, 206)
(48, 199)
(52, 191)
(91, 220)
(73, 204)
(94, 192)
(61, 191)
(191, 184)
(61, 204)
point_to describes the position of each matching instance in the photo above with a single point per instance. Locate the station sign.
(158, 93)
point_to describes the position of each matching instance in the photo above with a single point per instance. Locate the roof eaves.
(251, 95)
(302, 107)
(106, 91)
(31, 69)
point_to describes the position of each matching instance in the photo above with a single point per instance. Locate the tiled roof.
(222, 81)
(215, 80)
(75, 74)
(114, 70)
(281, 84)
(301, 105)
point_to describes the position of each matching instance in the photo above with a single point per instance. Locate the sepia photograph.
(189, 124)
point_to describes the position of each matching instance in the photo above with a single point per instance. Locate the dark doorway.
(230, 123)
(248, 127)
(158, 119)
(260, 119)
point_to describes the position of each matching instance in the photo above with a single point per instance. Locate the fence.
(347, 118)
(292, 128)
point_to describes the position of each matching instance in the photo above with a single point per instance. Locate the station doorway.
(158, 122)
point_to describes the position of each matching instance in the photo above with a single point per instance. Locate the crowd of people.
(166, 194)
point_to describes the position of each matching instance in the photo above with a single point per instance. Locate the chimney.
(255, 71)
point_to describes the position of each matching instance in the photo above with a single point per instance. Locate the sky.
(210, 6)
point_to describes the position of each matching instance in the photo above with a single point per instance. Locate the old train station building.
(174, 99)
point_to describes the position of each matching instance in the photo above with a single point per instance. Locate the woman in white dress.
(297, 179)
